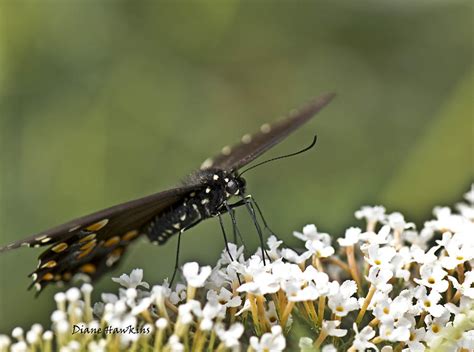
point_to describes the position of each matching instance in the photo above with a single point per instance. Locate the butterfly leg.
(251, 210)
(226, 242)
(236, 230)
(247, 201)
(176, 261)
(252, 199)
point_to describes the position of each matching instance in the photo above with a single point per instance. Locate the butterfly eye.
(232, 187)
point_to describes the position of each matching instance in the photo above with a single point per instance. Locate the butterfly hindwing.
(94, 243)
(252, 146)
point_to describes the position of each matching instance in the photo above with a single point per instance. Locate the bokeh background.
(105, 101)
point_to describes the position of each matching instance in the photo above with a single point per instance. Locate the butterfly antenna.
(313, 143)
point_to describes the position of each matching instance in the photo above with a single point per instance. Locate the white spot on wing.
(265, 128)
(246, 138)
(208, 190)
(177, 226)
(226, 150)
(215, 177)
(207, 164)
(72, 229)
(204, 201)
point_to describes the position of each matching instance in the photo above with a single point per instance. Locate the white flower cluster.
(387, 287)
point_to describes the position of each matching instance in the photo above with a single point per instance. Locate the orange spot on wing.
(59, 247)
(97, 226)
(112, 241)
(130, 235)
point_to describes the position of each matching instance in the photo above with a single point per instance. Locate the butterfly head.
(234, 186)
(230, 183)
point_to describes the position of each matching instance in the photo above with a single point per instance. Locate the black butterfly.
(94, 244)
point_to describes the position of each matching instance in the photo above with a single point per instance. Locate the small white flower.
(20, 346)
(262, 284)
(273, 341)
(224, 297)
(235, 252)
(132, 281)
(273, 244)
(186, 311)
(245, 308)
(435, 326)
(467, 341)
(415, 341)
(371, 214)
(330, 327)
(48, 335)
(271, 313)
(175, 344)
(467, 287)
(362, 338)
(380, 256)
(429, 302)
(195, 276)
(342, 302)
(161, 324)
(310, 233)
(319, 248)
(351, 237)
(397, 222)
(252, 267)
(32, 337)
(56, 316)
(294, 257)
(372, 238)
(178, 295)
(211, 311)
(17, 333)
(308, 293)
(142, 306)
(391, 331)
(4, 342)
(329, 348)
(432, 276)
(73, 294)
(231, 336)
(379, 277)
(460, 249)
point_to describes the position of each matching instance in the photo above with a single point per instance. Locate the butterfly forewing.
(252, 146)
(95, 243)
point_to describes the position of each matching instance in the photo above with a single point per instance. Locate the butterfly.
(94, 244)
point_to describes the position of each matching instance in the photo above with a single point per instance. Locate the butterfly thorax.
(209, 200)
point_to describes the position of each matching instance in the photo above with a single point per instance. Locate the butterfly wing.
(252, 146)
(94, 244)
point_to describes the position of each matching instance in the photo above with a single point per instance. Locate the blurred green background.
(105, 101)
